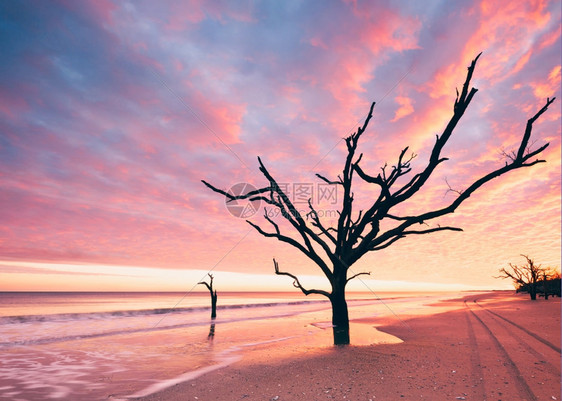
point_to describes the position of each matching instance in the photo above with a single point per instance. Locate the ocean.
(93, 346)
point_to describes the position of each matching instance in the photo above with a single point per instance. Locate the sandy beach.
(489, 346)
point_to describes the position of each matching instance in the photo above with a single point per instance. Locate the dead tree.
(527, 276)
(213, 296)
(336, 249)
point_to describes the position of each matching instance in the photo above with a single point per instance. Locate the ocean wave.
(121, 331)
(66, 317)
(85, 336)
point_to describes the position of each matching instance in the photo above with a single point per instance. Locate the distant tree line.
(544, 288)
(533, 279)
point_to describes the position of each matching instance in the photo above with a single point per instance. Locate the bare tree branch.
(410, 220)
(313, 214)
(308, 251)
(357, 275)
(431, 230)
(209, 286)
(450, 189)
(529, 127)
(296, 282)
(232, 197)
(339, 182)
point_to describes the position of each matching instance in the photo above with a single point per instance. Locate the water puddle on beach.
(131, 361)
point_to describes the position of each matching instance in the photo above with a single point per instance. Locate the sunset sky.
(111, 113)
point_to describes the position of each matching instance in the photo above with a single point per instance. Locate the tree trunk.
(533, 292)
(340, 317)
(213, 305)
(544, 285)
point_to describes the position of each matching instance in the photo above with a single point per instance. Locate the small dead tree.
(213, 295)
(335, 249)
(526, 277)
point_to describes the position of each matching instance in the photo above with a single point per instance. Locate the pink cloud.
(406, 107)
(515, 23)
(550, 87)
(360, 50)
(508, 33)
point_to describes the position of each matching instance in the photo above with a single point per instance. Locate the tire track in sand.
(500, 362)
(478, 382)
(537, 358)
(534, 335)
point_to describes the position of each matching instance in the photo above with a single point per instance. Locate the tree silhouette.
(551, 284)
(527, 277)
(336, 249)
(213, 296)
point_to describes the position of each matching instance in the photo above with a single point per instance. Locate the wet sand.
(490, 346)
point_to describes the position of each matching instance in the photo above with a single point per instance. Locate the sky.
(111, 114)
